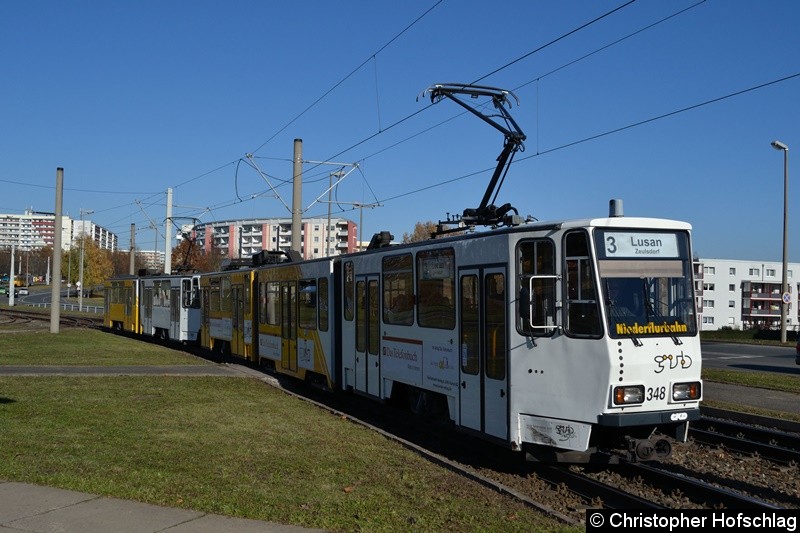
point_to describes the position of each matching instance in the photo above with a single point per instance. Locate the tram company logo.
(671, 362)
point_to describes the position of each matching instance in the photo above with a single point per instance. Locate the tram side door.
(289, 326)
(367, 335)
(237, 313)
(483, 338)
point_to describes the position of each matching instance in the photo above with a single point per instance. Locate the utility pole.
(132, 259)
(168, 236)
(297, 196)
(11, 281)
(55, 290)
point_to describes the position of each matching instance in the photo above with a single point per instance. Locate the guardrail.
(72, 307)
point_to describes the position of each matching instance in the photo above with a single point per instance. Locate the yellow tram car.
(122, 304)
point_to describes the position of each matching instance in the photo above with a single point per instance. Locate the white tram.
(555, 338)
(170, 307)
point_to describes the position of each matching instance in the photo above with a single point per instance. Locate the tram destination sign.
(640, 245)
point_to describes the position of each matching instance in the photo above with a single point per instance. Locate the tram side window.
(186, 288)
(583, 317)
(436, 288)
(361, 333)
(213, 297)
(161, 293)
(495, 325)
(270, 302)
(307, 302)
(470, 325)
(195, 293)
(536, 306)
(349, 290)
(398, 292)
(322, 299)
(226, 295)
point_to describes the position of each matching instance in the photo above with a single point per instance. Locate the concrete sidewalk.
(31, 508)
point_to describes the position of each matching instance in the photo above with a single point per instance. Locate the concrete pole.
(11, 281)
(785, 296)
(55, 289)
(132, 259)
(297, 196)
(168, 238)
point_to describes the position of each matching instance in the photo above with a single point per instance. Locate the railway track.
(18, 316)
(559, 491)
(754, 437)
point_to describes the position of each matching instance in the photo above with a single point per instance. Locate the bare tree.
(422, 232)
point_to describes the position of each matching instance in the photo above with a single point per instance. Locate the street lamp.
(785, 296)
(80, 274)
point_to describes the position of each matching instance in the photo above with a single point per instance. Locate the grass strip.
(83, 346)
(235, 447)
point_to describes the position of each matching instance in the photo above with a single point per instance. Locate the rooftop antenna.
(486, 214)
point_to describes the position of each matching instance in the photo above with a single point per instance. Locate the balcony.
(761, 312)
(763, 296)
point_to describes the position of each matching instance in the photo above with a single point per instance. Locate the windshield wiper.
(618, 316)
(651, 310)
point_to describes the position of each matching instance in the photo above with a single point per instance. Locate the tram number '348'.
(656, 393)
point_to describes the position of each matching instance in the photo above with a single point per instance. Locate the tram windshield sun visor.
(646, 279)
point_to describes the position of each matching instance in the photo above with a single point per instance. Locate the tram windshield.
(646, 280)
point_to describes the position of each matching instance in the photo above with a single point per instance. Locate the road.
(750, 357)
(40, 295)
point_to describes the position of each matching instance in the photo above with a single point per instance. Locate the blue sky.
(132, 98)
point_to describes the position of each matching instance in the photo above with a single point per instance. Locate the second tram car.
(170, 307)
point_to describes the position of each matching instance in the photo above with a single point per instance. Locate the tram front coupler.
(652, 449)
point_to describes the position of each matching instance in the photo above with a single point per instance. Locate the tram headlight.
(686, 391)
(628, 394)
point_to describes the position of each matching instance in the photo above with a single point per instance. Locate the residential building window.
(754, 272)
(732, 271)
(708, 303)
(708, 270)
(771, 272)
(732, 287)
(731, 303)
(708, 286)
(708, 320)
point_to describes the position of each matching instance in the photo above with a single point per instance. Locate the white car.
(23, 291)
